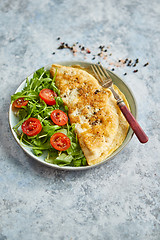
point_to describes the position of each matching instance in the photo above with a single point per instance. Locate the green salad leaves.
(37, 108)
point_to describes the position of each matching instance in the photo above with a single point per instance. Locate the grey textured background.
(119, 200)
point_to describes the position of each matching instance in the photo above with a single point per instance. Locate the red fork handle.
(133, 123)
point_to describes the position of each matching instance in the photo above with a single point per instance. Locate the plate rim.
(114, 154)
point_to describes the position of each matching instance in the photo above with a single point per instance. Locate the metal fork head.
(102, 75)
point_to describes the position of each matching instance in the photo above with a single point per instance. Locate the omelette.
(99, 124)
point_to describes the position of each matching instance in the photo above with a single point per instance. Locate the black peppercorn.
(145, 64)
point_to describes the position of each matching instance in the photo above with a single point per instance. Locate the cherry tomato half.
(60, 141)
(31, 127)
(48, 96)
(59, 117)
(20, 102)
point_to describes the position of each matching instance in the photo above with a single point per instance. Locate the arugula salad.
(43, 123)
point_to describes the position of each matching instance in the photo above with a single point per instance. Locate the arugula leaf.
(37, 108)
(50, 129)
(61, 159)
(37, 152)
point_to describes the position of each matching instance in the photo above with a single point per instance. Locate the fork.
(105, 80)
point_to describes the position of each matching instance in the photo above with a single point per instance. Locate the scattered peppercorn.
(88, 51)
(145, 64)
(62, 46)
(101, 47)
(137, 60)
(95, 122)
(102, 54)
(97, 91)
(129, 63)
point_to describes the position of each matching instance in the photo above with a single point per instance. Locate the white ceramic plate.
(116, 80)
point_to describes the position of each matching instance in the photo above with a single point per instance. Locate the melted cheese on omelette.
(100, 126)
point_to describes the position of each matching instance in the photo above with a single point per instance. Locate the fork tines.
(101, 74)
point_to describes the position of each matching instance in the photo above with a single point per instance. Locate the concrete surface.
(119, 200)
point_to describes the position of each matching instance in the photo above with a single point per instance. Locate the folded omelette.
(100, 126)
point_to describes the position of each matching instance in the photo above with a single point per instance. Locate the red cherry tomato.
(18, 103)
(59, 117)
(31, 126)
(48, 96)
(60, 141)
